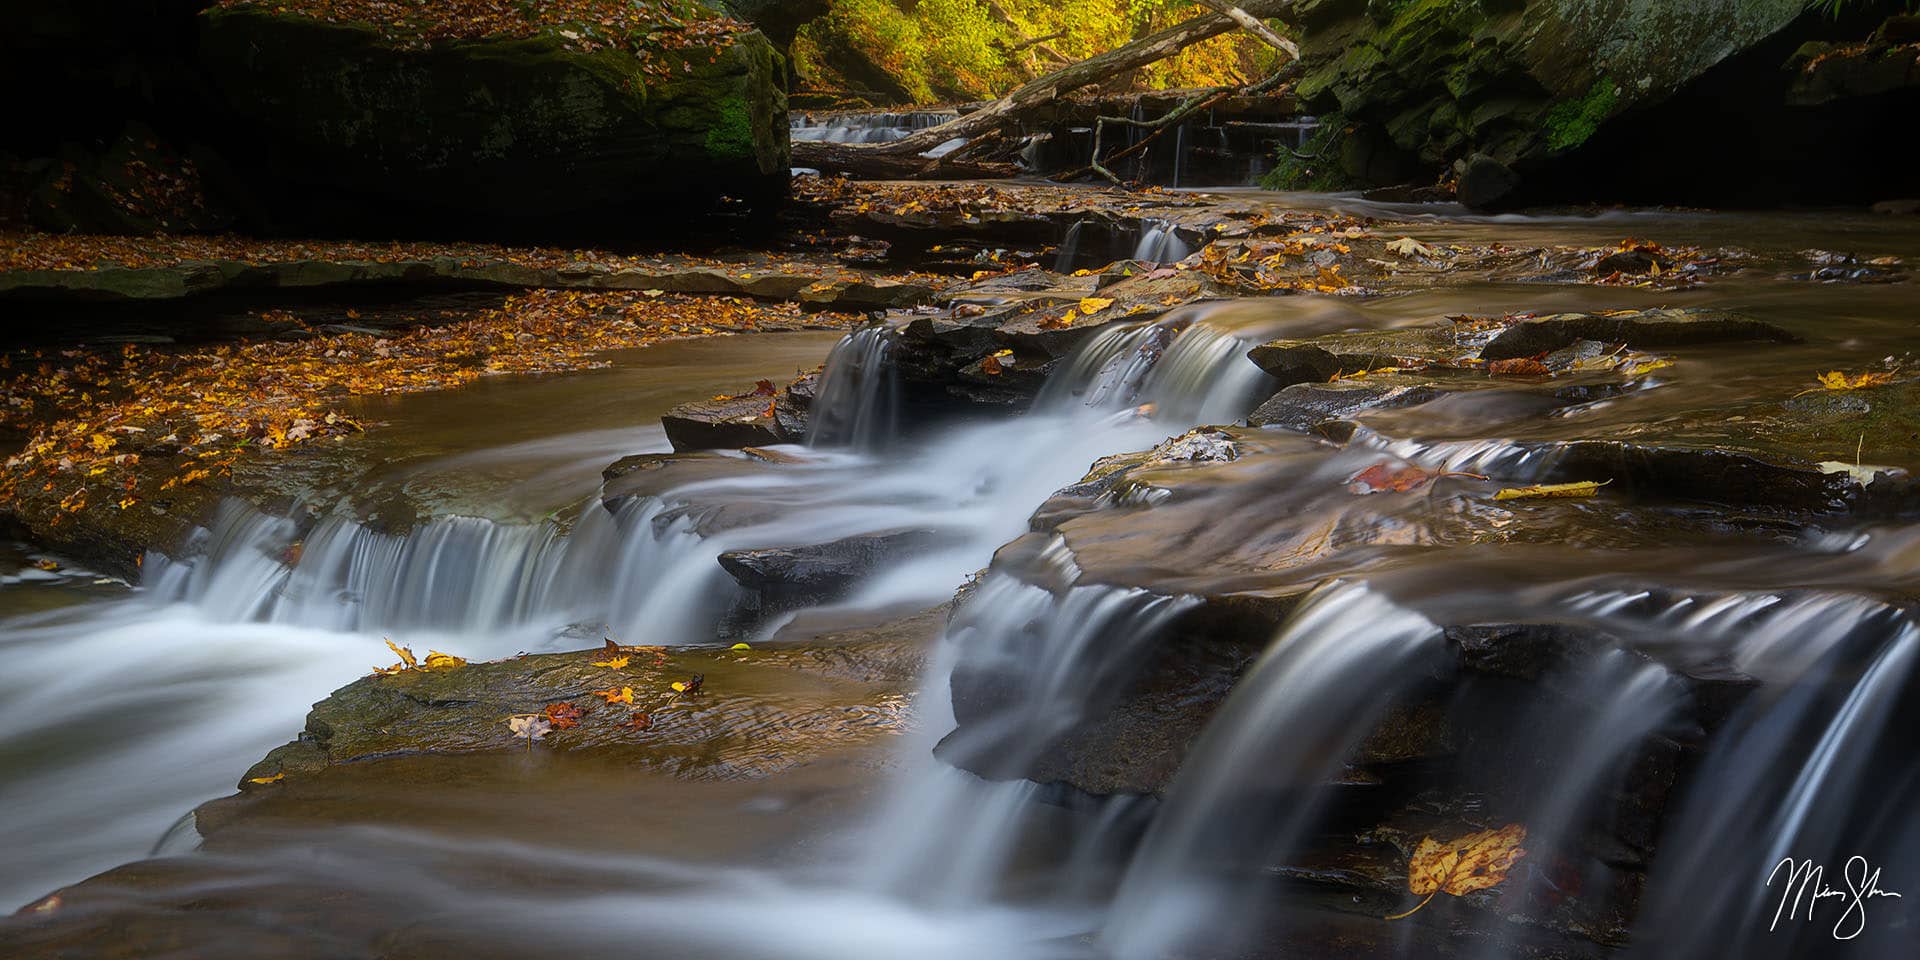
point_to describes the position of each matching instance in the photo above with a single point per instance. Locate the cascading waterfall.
(857, 402)
(1245, 792)
(1160, 243)
(1056, 654)
(865, 127)
(649, 570)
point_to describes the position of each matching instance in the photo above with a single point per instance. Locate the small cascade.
(857, 402)
(464, 574)
(865, 127)
(1247, 790)
(1069, 254)
(1057, 656)
(1816, 770)
(1160, 243)
(1189, 364)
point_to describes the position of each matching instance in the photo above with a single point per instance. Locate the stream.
(125, 706)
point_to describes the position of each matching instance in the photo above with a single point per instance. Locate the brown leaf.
(1464, 865)
(1519, 367)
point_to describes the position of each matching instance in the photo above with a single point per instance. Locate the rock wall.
(1512, 96)
(163, 116)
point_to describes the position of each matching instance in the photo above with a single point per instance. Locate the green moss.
(1316, 167)
(1572, 122)
(731, 136)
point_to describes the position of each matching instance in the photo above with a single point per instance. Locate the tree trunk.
(885, 160)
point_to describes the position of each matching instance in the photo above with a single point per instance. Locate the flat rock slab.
(1638, 329)
(822, 285)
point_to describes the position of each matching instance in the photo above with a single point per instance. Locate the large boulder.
(1510, 83)
(536, 127)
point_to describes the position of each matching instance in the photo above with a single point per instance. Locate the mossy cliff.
(1426, 83)
(339, 126)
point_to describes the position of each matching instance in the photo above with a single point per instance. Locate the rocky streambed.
(1286, 536)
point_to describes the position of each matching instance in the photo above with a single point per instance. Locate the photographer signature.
(1805, 884)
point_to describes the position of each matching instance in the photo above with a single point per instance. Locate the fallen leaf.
(276, 778)
(563, 715)
(442, 661)
(740, 647)
(1464, 865)
(1860, 473)
(639, 721)
(1538, 491)
(690, 686)
(1519, 367)
(1092, 305)
(1386, 477)
(1409, 247)
(407, 661)
(530, 726)
(615, 663)
(611, 695)
(1836, 380)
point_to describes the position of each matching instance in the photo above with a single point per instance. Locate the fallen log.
(901, 159)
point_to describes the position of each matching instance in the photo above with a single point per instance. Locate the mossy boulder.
(1431, 82)
(348, 127)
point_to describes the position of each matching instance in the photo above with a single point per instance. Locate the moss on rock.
(341, 127)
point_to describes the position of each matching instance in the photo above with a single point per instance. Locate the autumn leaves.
(566, 715)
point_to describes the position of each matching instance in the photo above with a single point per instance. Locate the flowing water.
(119, 713)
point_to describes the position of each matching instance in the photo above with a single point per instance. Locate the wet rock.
(1303, 406)
(1640, 328)
(1510, 86)
(1903, 207)
(1320, 359)
(1522, 651)
(1486, 183)
(1631, 261)
(783, 578)
(719, 733)
(726, 424)
(1888, 63)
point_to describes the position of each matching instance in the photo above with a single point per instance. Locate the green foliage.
(731, 135)
(1572, 122)
(960, 49)
(1315, 167)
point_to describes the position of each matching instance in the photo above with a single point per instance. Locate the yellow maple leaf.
(613, 663)
(1543, 491)
(1463, 865)
(610, 695)
(276, 778)
(1092, 305)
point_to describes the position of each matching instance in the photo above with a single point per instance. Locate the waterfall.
(1160, 243)
(857, 401)
(1289, 726)
(1069, 249)
(1189, 364)
(650, 569)
(865, 127)
(1056, 657)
